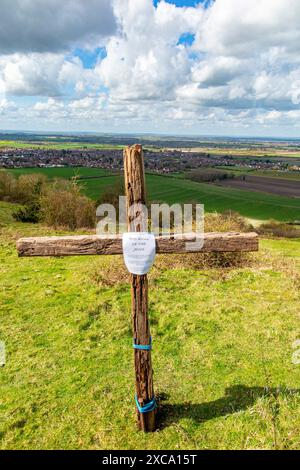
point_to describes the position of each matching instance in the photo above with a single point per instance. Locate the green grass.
(250, 152)
(64, 172)
(14, 144)
(239, 170)
(289, 175)
(249, 204)
(57, 145)
(61, 144)
(222, 352)
(254, 205)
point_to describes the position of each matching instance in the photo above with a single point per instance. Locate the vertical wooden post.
(136, 194)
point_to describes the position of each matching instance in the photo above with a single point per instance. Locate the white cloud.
(243, 67)
(53, 25)
(242, 28)
(32, 74)
(45, 74)
(6, 106)
(144, 62)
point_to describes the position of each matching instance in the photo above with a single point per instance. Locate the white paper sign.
(139, 249)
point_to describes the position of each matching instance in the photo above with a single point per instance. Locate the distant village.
(162, 161)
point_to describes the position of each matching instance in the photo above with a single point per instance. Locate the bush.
(228, 221)
(23, 190)
(209, 175)
(30, 187)
(28, 214)
(62, 205)
(59, 204)
(277, 229)
(8, 185)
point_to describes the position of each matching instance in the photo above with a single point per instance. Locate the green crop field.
(239, 170)
(63, 145)
(62, 172)
(249, 152)
(290, 175)
(250, 204)
(254, 205)
(222, 358)
(15, 144)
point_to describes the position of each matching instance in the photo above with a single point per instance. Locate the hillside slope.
(222, 351)
(251, 204)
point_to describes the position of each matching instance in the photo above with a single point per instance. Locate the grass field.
(238, 170)
(249, 204)
(62, 172)
(222, 351)
(251, 152)
(290, 175)
(56, 143)
(14, 144)
(254, 205)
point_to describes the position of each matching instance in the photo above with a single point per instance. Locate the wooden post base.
(142, 359)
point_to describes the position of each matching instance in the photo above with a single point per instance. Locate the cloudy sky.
(227, 67)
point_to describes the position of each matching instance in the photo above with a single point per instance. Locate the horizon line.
(158, 134)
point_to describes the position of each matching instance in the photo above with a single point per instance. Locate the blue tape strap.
(151, 406)
(141, 347)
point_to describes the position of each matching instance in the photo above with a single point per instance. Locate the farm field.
(235, 148)
(280, 187)
(293, 175)
(254, 205)
(247, 152)
(238, 170)
(69, 172)
(62, 172)
(223, 346)
(15, 144)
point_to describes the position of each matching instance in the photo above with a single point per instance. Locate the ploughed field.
(281, 187)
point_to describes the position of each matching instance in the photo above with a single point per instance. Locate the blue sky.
(88, 57)
(228, 67)
(182, 3)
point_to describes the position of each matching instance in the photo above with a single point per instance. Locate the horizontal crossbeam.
(112, 245)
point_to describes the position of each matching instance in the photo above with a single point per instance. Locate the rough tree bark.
(136, 195)
(82, 245)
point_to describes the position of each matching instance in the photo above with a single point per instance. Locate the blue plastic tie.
(151, 406)
(141, 347)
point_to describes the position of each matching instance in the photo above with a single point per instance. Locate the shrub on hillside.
(30, 187)
(29, 213)
(228, 221)
(277, 229)
(23, 190)
(207, 175)
(63, 205)
(59, 204)
(7, 187)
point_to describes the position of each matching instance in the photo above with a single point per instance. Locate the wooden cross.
(112, 245)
